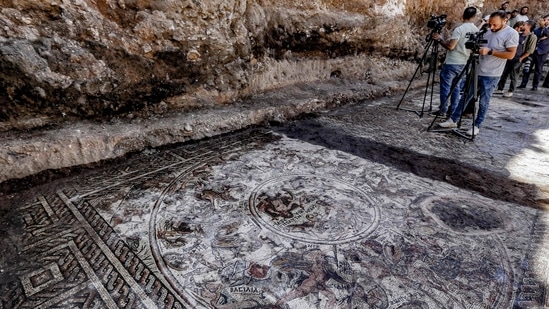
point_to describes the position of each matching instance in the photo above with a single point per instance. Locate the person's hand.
(437, 37)
(483, 51)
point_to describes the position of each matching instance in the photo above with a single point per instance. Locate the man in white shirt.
(523, 15)
(455, 61)
(502, 42)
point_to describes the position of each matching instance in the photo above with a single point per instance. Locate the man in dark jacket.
(546, 48)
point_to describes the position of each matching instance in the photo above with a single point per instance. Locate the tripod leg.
(476, 102)
(430, 79)
(427, 47)
(434, 61)
(472, 98)
(420, 114)
(468, 96)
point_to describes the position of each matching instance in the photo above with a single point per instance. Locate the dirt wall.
(98, 59)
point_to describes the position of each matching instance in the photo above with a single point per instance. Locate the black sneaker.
(437, 113)
(534, 88)
(522, 86)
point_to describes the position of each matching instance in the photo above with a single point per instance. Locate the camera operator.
(455, 61)
(501, 45)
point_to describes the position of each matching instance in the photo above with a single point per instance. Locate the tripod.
(430, 77)
(470, 95)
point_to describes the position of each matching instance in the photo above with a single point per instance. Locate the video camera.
(475, 39)
(437, 22)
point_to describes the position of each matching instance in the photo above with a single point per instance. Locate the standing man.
(523, 15)
(540, 55)
(526, 47)
(504, 6)
(455, 61)
(502, 42)
(542, 52)
(511, 22)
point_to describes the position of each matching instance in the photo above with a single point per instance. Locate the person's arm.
(544, 34)
(530, 47)
(509, 52)
(524, 56)
(511, 44)
(449, 45)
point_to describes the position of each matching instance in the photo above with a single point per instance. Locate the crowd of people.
(532, 51)
(512, 42)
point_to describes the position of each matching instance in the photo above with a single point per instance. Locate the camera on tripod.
(475, 40)
(437, 22)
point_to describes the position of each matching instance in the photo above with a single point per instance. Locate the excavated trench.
(139, 87)
(135, 94)
(311, 128)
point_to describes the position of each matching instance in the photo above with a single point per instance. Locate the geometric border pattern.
(38, 280)
(73, 258)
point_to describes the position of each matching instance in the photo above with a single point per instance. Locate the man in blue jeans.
(502, 42)
(456, 58)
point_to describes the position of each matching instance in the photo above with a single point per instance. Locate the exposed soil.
(398, 139)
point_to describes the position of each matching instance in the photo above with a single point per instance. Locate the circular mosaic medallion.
(276, 230)
(315, 209)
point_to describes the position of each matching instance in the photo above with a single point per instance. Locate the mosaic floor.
(258, 219)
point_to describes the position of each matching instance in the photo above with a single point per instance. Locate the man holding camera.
(455, 61)
(501, 45)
